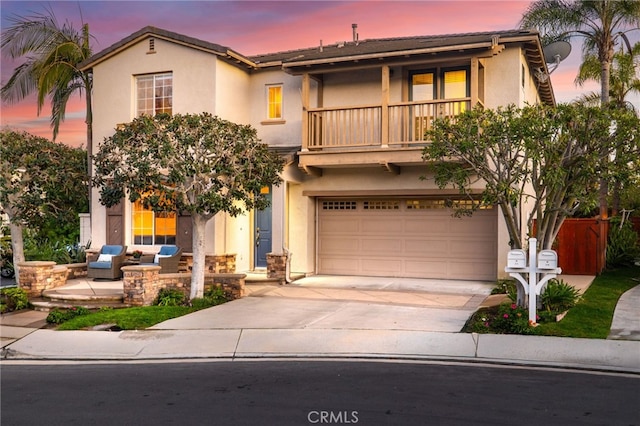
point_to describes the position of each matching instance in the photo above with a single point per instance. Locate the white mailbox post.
(544, 264)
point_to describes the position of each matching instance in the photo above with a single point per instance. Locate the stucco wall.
(287, 132)
(194, 91)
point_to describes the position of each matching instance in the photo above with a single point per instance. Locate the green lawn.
(592, 316)
(127, 318)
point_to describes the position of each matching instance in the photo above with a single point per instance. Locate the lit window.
(274, 102)
(422, 86)
(154, 94)
(152, 228)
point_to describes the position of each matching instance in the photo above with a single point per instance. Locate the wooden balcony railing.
(352, 127)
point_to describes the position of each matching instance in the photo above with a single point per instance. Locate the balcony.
(390, 136)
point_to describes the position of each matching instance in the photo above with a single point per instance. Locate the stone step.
(45, 305)
(84, 296)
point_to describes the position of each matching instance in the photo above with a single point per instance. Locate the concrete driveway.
(331, 302)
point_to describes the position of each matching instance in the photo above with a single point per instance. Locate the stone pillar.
(141, 284)
(277, 266)
(37, 276)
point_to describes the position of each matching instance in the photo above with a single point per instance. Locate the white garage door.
(405, 238)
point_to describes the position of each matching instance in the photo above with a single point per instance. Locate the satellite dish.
(556, 51)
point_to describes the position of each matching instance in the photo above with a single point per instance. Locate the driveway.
(330, 302)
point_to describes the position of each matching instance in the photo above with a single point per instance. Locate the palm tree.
(624, 79)
(601, 23)
(51, 55)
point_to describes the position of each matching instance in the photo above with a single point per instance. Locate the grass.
(127, 318)
(592, 316)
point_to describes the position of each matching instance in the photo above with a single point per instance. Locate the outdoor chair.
(107, 263)
(168, 258)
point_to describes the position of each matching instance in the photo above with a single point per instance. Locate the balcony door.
(429, 86)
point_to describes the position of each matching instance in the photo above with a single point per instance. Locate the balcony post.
(474, 81)
(384, 114)
(305, 111)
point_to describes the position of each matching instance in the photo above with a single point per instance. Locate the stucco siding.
(285, 132)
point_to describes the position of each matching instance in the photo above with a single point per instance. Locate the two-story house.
(350, 119)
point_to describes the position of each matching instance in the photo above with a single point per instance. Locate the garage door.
(405, 238)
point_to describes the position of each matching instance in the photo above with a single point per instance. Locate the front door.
(262, 234)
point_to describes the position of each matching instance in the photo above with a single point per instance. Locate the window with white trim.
(274, 102)
(154, 94)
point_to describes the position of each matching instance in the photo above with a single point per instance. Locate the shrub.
(217, 295)
(508, 318)
(558, 296)
(512, 319)
(212, 297)
(13, 299)
(169, 297)
(508, 287)
(623, 247)
(58, 316)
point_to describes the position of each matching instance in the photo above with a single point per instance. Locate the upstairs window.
(154, 94)
(274, 102)
(449, 83)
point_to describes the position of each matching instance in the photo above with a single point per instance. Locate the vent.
(152, 45)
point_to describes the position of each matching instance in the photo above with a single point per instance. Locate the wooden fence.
(581, 246)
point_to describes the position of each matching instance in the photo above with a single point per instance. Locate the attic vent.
(152, 45)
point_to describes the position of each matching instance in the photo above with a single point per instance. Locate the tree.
(41, 182)
(624, 81)
(548, 158)
(602, 23)
(52, 53)
(200, 164)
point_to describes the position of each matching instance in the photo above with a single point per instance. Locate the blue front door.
(262, 234)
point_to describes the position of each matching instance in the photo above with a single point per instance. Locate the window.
(450, 83)
(154, 94)
(423, 87)
(274, 102)
(338, 205)
(152, 228)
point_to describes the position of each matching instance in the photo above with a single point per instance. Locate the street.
(294, 392)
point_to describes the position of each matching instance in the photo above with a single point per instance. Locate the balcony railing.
(352, 127)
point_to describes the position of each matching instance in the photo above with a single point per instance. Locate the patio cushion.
(167, 251)
(100, 265)
(107, 249)
(105, 258)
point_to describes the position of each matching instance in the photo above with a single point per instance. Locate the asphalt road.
(312, 392)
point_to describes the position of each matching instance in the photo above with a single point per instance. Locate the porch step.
(65, 299)
(46, 305)
(81, 296)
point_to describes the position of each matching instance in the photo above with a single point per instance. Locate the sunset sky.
(252, 27)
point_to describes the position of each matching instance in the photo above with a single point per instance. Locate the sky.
(254, 27)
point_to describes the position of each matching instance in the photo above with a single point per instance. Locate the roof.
(223, 51)
(386, 46)
(373, 50)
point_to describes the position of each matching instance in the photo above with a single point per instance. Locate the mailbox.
(547, 259)
(517, 259)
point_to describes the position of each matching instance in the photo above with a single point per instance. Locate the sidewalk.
(320, 322)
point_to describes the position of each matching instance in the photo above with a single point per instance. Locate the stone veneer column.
(277, 266)
(141, 284)
(37, 276)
